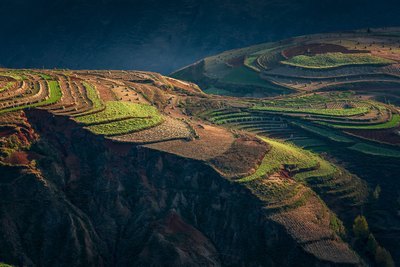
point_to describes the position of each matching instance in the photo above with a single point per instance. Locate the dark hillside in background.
(163, 36)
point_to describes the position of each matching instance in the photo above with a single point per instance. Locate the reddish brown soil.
(184, 86)
(174, 224)
(4, 79)
(105, 91)
(314, 49)
(118, 148)
(3, 83)
(213, 141)
(386, 54)
(241, 158)
(6, 131)
(236, 62)
(388, 136)
(18, 158)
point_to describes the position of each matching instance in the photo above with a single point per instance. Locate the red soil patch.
(236, 62)
(6, 131)
(389, 136)
(104, 90)
(187, 241)
(285, 174)
(213, 141)
(314, 49)
(388, 54)
(121, 149)
(18, 158)
(242, 157)
(174, 224)
(184, 86)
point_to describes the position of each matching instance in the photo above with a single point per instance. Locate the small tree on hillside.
(377, 192)
(383, 258)
(372, 244)
(360, 227)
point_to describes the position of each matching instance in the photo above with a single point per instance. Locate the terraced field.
(280, 182)
(343, 104)
(305, 167)
(303, 117)
(73, 95)
(334, 60)
(313, 124)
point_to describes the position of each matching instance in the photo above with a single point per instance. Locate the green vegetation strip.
(112, 120)
(324, 133)
(313, 99)
(278, 195)
(219, 91)
(229, 115)
(329, 112)
(394, 122)
(15, 75)
(375, 150)
(324, 170)
(94, 97)
(249, 62)
(8, 86)
(244, 75)
(125, 126)
(45, 76)
(282, 154)
(55, 96)
(116, 110)
(333, 60)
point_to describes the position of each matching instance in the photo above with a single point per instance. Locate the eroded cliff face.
(92, 202)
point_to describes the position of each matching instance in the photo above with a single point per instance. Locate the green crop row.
(239, 119)
(333, 60)
(244, 75)
(393, 122)
(116, 110)
(14, 74)
(121, 118)
(375, 150)
(228, 116)
(94, 97)
(55, 96)
(278, 156)
(306, 164)
(329, 112)
(8, 86)
(275, 193)
(126, 126)
(249, 62)
(324, 133)
(45, 76)
(324, 170)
